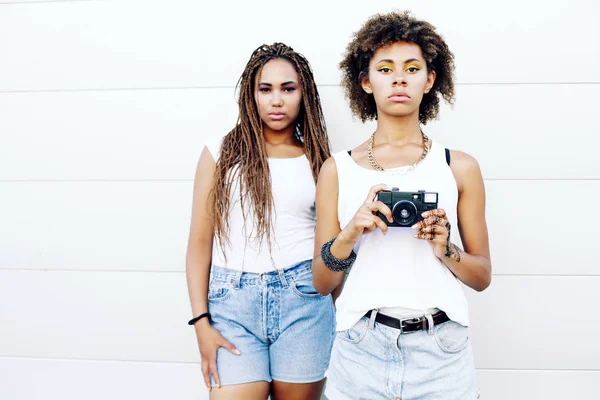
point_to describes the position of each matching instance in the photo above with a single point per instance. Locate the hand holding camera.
(407, 207)
(389, 207)
(365, 220)
(435, 228)
(419, 211)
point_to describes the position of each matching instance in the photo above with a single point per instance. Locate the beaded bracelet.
(335, 264)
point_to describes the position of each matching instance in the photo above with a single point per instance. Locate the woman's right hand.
(366, 220)
(209, 341)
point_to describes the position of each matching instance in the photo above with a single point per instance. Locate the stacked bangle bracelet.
(335, 264)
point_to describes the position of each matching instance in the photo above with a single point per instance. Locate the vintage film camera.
(406, 207)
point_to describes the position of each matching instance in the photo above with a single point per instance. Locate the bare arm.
(197, 268)
(328, 227)
(200, 241)
(474, 268)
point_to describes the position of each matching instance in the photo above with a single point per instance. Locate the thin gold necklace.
(400, 170)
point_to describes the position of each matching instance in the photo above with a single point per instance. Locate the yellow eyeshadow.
(413, 66)
(382, 66)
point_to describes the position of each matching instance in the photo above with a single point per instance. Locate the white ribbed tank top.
(398, 274)
(293, 236)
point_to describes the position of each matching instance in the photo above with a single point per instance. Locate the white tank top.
(293, 223)
(398, 274)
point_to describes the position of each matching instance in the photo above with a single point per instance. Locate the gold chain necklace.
(401, 170)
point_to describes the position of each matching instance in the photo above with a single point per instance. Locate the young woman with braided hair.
(402, 318)
(262, 328)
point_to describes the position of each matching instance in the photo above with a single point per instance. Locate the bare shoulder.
(465, 168)
(327, 192)
(206, 167)
(206, 159)
(328, 169)
(463, 162)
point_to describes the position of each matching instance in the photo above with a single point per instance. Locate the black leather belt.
(409, 325)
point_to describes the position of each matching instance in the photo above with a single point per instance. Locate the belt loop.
(238, 274)
(236, 279)
(372, 319)
(429, 322)
(284, 281)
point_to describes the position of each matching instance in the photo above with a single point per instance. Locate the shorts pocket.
(356, 333)
(218, 291)
(302, 286)
(452, 337)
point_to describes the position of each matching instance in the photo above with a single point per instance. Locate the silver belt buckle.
(412, 320)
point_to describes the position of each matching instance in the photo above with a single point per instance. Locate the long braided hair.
(243, 156)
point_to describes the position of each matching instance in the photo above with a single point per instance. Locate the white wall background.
(104, 109)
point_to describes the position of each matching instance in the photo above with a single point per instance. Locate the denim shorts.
(282, 326)
(374, 361)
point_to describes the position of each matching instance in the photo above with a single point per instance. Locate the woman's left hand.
(435, 228)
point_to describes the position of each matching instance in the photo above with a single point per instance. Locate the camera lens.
(404, 212)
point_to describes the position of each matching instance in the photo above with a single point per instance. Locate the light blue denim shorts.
(374, 361)
(282, 326)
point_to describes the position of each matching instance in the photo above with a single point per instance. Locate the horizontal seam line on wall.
(191, 180)
(538, 370)
(91, 180)
(46, 1)
(183, 272)
(198, 363)
(232, 87)
(541, 179)
(97, 360)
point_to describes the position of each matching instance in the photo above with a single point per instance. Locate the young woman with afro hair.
(400, 224)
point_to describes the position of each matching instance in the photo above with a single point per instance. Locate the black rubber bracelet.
(198, 318)
(335, 264)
